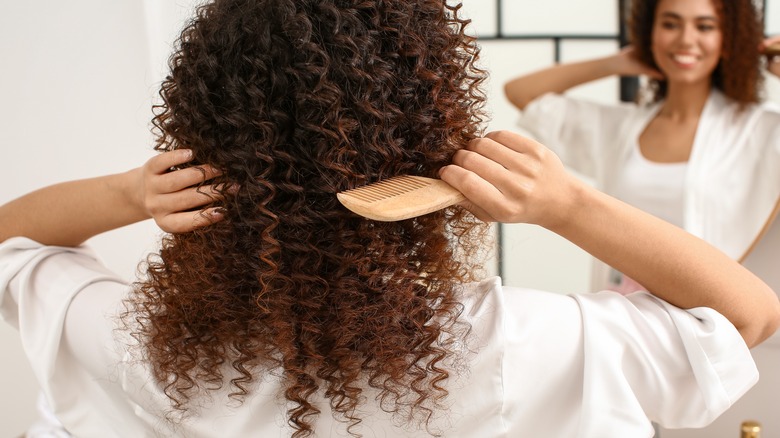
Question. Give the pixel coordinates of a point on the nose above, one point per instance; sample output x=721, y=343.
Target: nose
x=688, y=35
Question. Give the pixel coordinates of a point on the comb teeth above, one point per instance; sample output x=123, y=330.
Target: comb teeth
x=399, y=198
x=387, y=189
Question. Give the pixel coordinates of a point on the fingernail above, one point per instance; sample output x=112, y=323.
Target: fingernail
x=218, y=213
x=187, y=153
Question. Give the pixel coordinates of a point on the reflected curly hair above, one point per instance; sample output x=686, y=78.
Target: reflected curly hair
x=294, y=101
x=738, y=75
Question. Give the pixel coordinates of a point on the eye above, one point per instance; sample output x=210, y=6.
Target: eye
x=706, y=27
x=666, y=24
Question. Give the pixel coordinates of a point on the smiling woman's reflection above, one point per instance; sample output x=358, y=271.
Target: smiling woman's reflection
x=701, y=152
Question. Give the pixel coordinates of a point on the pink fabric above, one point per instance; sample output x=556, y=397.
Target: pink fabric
x=628, y=285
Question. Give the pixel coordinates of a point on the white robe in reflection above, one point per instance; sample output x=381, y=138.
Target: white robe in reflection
x=732, y=184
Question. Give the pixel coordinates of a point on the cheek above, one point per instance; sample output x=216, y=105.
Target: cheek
x=715, y=45
x=658, y=46
x=661, y=39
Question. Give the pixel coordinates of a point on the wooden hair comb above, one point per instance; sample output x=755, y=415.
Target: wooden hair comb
x=399, y=198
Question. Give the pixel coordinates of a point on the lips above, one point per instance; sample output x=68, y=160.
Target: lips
x=685, y=59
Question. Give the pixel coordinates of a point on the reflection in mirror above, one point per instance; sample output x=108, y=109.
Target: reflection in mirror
x=523, y=41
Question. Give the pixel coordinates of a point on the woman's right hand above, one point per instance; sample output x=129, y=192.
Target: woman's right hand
x=174, y=197
x=510, y=178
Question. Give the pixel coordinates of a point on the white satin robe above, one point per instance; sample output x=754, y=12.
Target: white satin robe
x=537, y=364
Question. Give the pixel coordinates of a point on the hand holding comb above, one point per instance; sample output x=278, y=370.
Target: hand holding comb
x=400, y=198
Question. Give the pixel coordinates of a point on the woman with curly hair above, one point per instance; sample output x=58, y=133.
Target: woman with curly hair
x=271, y=310
x=699, y=150
x=702, y=137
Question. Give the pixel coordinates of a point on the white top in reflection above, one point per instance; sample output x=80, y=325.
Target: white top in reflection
x=657, y=188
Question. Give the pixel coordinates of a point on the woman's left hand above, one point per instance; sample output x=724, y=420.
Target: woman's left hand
x=773, y=61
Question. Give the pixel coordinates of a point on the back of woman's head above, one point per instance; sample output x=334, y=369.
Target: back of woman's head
x=738, y=73
x=295, y=100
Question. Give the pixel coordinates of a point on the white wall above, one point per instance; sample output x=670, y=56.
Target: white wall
x=76, y=87
x=78, y=79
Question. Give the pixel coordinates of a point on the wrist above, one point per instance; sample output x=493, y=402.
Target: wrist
x=129, y=185
x=576, y=199
x=615, y=65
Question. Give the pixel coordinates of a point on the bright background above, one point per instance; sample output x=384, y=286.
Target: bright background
x=78, y=79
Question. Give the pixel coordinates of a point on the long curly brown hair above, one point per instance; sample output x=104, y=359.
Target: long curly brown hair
x=738, y=75
x=294, y=101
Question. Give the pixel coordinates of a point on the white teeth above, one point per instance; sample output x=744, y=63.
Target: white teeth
x=685, y=59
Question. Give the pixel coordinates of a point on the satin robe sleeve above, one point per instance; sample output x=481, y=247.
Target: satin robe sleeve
x=65, y=304
x=682, y=368
x=611, y=364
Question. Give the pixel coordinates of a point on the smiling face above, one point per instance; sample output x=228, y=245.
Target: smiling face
x=687, y=40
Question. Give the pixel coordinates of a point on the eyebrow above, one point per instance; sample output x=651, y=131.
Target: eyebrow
x=677, y=16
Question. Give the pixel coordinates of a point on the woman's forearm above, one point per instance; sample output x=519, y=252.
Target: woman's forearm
x=559, y=78
x=673, y=264
x=509, y=178
x=556, y=79
x=69, y=213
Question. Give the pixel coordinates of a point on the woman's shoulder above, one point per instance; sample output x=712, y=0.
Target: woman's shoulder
x=755, y=126
x=720, y=103
x=490, y=302
x=18, y=253
x=493, y=288
x=765, y=126
x=770, y=111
